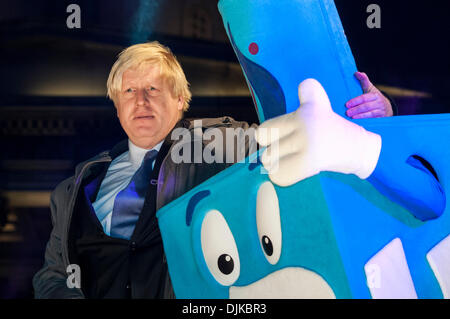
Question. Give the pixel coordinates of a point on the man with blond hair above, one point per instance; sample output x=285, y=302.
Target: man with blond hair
x=105, y=241
x=100, y=246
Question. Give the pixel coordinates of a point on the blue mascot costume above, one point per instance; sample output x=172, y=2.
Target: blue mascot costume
x=314, y=228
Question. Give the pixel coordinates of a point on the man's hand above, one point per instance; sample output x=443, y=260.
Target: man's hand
x=371, y=104
x=314, y=139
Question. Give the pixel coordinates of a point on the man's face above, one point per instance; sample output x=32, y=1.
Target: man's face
x=145, y=106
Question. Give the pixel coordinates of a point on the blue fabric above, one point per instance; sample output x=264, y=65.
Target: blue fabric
x=331, y=224
x=281, y=43
x=400, y=183
x=264, y=84
x=128, y=203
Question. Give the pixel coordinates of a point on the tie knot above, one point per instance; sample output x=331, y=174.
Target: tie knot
x=146, y=165
x=150, y=155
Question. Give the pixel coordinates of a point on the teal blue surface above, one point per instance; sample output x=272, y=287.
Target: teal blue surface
x=331, y=223
x=297, y=40
x=306, y=227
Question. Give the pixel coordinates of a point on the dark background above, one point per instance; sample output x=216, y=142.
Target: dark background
x=411, y=50
x=54, y=113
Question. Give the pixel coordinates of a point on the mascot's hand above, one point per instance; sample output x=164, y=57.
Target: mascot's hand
x=314, y=139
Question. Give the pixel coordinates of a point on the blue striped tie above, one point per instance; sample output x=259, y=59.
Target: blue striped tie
x=129, y=201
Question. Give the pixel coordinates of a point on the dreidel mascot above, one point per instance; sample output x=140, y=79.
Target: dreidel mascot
x=342, y=209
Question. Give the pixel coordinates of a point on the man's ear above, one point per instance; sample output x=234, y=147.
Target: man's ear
x=180, y=107
x=180, y=102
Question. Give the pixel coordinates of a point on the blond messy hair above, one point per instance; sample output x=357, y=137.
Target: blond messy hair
x=152, y=53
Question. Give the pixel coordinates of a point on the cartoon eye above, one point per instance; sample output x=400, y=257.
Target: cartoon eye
x=219, y=249
x=268, y=222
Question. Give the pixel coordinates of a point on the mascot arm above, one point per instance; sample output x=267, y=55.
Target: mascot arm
x=409, y=183
x=314, y=138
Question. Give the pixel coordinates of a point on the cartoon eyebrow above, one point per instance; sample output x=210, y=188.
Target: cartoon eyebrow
x=193, y=202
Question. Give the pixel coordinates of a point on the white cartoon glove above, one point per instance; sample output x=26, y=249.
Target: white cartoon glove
x=314, y=139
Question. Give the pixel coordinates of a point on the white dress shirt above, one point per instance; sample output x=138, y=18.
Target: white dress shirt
x=118, y=176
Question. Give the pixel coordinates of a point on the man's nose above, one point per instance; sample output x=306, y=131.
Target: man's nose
x=142, y=97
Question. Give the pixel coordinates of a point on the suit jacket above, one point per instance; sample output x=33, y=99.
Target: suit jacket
x=174, y=179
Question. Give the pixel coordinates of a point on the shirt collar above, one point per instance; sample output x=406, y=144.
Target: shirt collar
x=136, y=153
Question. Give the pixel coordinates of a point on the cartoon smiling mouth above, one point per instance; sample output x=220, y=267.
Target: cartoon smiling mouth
x=287, y=283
